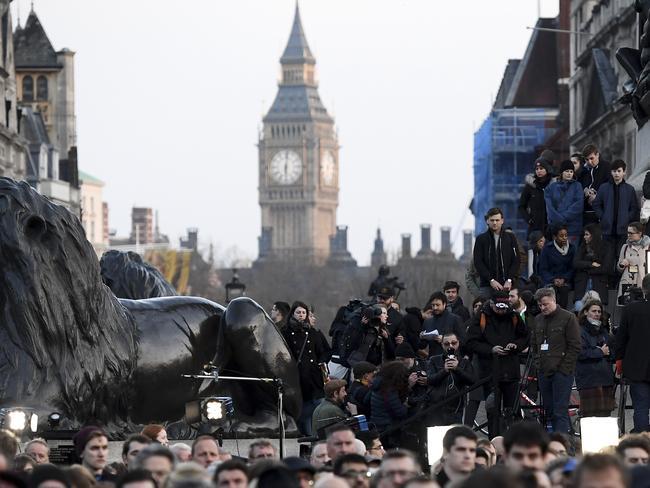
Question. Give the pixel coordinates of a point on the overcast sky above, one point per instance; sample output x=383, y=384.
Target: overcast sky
x=170, y=97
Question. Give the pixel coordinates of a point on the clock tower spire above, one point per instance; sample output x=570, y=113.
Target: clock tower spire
x=298, y=162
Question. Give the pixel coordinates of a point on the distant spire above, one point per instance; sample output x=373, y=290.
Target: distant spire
x=32, y=6
x=18, y=15
x=297, y=49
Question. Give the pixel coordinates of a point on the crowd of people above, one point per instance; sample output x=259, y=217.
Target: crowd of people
x=525, y=457
x=539, y=328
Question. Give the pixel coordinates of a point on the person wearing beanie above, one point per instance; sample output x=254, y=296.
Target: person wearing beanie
x=359, y=394
x=532, y=206
x=496, y=337
x=50, y=474
x=330, y=410
x=565, y=201
x=91, y=446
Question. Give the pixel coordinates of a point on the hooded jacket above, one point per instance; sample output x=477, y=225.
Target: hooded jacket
x=532, y=206
x=564, y=205
x=604, y=205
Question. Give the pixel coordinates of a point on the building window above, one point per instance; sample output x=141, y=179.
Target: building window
x=41, y=88
x=28, y=88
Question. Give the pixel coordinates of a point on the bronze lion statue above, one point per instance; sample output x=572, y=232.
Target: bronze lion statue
x=68, y=344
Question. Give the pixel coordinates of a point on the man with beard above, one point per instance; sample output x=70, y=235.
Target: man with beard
x=441, y=322
x=454, y=302
x=497, y=336
x=448, y=374
x=532, y=206
x=330, y=409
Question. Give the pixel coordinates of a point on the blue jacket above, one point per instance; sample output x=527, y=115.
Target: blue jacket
x=564, y=205
x=552, y=264
x=628, y=208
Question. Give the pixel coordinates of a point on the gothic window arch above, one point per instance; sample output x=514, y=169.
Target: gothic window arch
x=41, y=88
x=28, y=88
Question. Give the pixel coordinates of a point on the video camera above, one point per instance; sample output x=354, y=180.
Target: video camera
x=631, y=293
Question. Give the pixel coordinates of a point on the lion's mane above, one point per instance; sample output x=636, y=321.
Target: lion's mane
x=128, y=276
x=65, y=340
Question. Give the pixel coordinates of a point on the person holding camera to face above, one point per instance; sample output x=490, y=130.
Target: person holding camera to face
x=497, y=335
x=448, y=374
x=371, y=341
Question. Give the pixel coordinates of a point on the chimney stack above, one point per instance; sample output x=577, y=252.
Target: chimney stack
x=406, y=246
x=425, y=251
x=445, y=240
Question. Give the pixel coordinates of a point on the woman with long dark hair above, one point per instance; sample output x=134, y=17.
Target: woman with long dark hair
x=311, y=352
x=593, y=264
x=388, y=396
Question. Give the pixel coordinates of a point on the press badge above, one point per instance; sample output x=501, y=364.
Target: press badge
x=544, y=346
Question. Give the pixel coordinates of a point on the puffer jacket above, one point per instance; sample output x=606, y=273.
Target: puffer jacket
x=386, y=407
x=564, y=205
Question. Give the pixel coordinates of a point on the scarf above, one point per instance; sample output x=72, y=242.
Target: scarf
x=562, y=250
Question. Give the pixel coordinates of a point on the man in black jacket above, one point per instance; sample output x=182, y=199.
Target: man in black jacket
x=594, y=174
x=448, y=374
x=496, y=255
x=632, y=357
x=497, y=336
x=440, y=322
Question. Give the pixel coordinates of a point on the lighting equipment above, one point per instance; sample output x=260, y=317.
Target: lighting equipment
x=54, y=419
x=597, y=433
x=434, y=442
x=18, y=419
x=215, y=409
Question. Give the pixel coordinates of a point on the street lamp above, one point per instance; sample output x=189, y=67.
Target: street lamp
x=234, y=288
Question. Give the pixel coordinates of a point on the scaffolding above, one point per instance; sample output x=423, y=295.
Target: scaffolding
x=505, y=148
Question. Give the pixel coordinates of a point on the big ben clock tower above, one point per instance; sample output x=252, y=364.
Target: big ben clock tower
x=298, y=163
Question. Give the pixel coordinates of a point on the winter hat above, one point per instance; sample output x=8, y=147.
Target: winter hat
x=404, y=350
x=544, y=164
x=363, y=367
x=82, y=437
x=47, y=472
x=566, y=165
x=548, y=155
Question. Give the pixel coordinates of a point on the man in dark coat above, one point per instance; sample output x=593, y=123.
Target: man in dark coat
x=555, y=345
x=616, y=205
x=454, y=301
x=441, y=322
x=632, y=358
x=359, y=393
x=594, y=173
x=448, y=374
x=496, y=255
x=532, y=206
x=497, y=336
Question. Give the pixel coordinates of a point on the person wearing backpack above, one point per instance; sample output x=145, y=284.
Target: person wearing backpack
x=497, y=335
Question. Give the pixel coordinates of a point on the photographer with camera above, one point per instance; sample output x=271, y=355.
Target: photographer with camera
x=369, y=340
x=632, y=358
x=632, y=260
x=497, y=336
x=311, y=352
x=448, y=374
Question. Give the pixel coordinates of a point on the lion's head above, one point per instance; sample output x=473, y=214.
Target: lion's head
x=128, y=276
x=65, y=341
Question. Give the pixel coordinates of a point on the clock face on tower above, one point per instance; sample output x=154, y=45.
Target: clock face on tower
x=286, y=167
x=328, y=168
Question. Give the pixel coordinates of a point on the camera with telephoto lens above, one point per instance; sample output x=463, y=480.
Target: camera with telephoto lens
x=631, y=293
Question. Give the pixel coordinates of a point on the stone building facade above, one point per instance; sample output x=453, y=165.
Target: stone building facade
x=13, y=147
x=298, y=163
x=599, y=28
